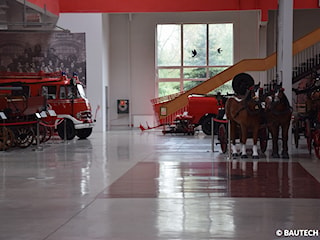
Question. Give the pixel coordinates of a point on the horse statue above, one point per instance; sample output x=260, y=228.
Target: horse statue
x=278, y=114
x=244, y=110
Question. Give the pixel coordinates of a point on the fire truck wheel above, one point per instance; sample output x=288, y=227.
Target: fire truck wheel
x=206, y=125
x=70, y=130
x=84, y=133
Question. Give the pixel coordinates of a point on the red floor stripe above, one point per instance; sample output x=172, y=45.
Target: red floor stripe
x=222, y=179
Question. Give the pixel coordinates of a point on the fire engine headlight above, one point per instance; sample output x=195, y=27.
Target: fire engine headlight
x=84, y=115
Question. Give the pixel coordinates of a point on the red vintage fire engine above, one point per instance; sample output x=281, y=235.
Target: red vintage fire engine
x=64, y=95
x=199, y=112
x=203, y=108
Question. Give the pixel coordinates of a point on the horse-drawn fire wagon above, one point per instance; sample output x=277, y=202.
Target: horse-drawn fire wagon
x=17, y=113
x=253, y=112
x=306, y=121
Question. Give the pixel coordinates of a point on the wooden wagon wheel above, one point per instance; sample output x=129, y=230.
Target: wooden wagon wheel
x=49, y=133
x=24, y=136
x=11, y=139
x=3, y=139
x=308, y=134
x=45, y=134
x=6, y=138
x=223, y=138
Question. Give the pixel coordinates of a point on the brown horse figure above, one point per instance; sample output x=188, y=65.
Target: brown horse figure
x=278, y=114
x=245, y=112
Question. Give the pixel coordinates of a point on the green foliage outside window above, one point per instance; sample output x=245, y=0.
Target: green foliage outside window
x=204, y=51
x=167, y=88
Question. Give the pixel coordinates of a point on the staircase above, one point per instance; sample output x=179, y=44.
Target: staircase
x=306, y=52
x=306, y=62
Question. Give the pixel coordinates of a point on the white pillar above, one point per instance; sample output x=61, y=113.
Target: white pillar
x=285, y=38
x=284, y=51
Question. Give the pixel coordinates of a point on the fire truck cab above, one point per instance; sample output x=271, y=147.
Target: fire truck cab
x=66, y=96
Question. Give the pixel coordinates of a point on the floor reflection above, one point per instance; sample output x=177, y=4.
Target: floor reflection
x=217, y=179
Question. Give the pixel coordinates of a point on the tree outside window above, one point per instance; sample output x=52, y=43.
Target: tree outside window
x=188, y=54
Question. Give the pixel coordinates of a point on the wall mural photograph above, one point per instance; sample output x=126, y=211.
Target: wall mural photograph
x=43, y=51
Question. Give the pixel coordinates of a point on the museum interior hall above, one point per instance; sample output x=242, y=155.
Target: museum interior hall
x=134, y=120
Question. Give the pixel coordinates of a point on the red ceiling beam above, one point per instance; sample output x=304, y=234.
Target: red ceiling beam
x=125, y=6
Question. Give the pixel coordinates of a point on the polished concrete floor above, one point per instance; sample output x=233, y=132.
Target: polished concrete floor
x=134, y=185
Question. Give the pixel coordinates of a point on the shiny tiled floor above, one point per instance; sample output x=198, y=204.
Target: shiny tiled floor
x=133, y=185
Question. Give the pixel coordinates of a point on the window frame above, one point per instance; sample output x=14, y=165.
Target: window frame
x=182, y=67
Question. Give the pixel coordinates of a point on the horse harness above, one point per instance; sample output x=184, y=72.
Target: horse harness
x=257, y=108
x=274, y=111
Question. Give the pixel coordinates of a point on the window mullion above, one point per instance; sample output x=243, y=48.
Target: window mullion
x=207, y=48
x=182, y=55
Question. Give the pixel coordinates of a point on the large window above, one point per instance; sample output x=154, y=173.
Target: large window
x=188, y=54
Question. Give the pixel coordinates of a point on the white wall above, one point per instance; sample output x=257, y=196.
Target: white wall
x=132, y=54
x=304, y=22
x=96, y=50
